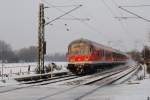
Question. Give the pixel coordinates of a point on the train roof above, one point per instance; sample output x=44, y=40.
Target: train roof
x=97, y=45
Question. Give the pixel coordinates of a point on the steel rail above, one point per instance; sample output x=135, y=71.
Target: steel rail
x=71, y=89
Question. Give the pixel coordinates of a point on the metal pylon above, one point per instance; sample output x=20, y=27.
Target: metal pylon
x=41, y=39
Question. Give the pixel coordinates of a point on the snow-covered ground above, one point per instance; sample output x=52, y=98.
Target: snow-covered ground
x=11, y=70
x=136, y=88
x=16, y=68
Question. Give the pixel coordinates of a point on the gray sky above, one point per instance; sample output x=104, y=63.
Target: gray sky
x=18, y=23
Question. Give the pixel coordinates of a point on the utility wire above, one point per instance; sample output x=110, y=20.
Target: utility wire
x=111, y=11
x=83, y=22
x=62, y=10
x=137, y=6
x=125, y=17
x=121, y=22
x=63, y=15
x=56, y=7
x=134, y=14
x=64, y=6
x=78, y=19
x=113, y=1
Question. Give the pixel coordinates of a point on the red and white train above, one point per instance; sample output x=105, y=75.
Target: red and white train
x=85, y=56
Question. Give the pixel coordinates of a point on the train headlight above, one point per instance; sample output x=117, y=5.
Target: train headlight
x=79, y=59
x=86, y=58
x=72, y=60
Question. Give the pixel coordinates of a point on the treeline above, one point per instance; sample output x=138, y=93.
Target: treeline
x=8, y=55
x=143, y=56
x=56, y=57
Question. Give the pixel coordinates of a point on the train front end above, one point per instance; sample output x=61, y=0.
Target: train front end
x=79, y=57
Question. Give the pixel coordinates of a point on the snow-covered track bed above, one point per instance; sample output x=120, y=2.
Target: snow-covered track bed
x=95, y=82
x=111, y=77
x=40, y=76
x=69, y=75
x=98, y=83
x=57, y=90
x=29, y=84
x=92, y=78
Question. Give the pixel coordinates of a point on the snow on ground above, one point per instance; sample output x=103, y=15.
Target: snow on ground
x=11, y=70
x=8, y=82
x=14, y=68
x=23, y=67
x=136, y=88
x=137, y=91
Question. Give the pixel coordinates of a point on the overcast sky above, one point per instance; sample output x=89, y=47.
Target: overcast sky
x=19, y=21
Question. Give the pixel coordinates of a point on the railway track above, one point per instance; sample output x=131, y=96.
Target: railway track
x=105, y=81
x=29, y=84
x=97, y=80
x=48, y=79
x=68, y=78
x=112, y=77
x=82, y=80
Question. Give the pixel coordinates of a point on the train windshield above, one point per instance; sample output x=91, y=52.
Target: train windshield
x=79, y=49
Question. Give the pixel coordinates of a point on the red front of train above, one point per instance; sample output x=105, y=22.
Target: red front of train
x=85, y=56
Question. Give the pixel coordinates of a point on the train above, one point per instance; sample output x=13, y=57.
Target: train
x=85, y=56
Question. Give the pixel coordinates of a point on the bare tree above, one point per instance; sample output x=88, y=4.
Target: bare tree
x=6, y=52
x=28, y=54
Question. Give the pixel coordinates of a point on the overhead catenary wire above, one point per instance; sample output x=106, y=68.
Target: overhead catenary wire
x=54, y=6
x=81, y=19
x=122, y=17
x=73, y=17
x=111, y=11
x=134, y=14
x=83, y=22
x=115, y=16
x=137, y=6
x=63, y=14
x=126, y=17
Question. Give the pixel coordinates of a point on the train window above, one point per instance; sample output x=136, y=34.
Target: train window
x=85, y=51
x=79, y=49
x=91, y=50
x=108, y=54
x=82, y=51
x=98, y=53
x=102, y=53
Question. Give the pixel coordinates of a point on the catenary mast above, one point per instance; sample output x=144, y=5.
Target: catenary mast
x=41, y=39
